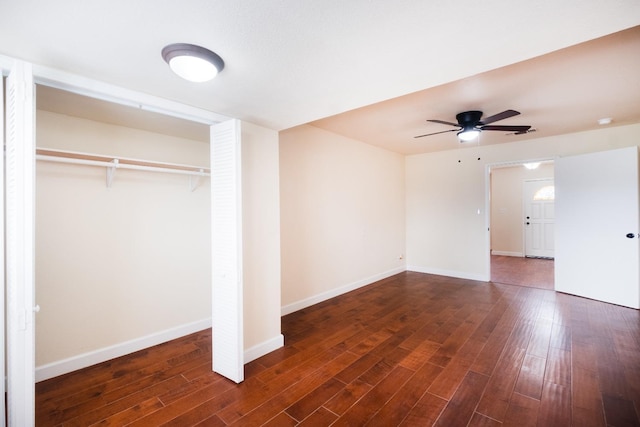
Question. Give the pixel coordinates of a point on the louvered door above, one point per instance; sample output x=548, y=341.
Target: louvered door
x=226, y=250
x=19, y=217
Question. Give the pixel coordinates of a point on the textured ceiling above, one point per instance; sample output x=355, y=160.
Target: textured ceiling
x=290, y=63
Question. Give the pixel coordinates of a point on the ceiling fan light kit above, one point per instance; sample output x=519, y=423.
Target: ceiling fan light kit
x=468, y=134
x=191, y=62
x=469, y=125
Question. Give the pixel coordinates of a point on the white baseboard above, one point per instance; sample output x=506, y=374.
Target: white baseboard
x=263, y=348
x=507, y=253
x=307, y=302
x=80, y=361
x=449, y=273
x=74, y=363
x=84, y=360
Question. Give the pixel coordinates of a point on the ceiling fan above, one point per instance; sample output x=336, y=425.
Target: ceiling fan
x=469, y=124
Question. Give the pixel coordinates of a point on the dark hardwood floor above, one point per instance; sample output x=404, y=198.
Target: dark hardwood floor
x=410, y=350
x=532, y=272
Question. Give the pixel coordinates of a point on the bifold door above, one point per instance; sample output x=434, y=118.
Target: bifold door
x=19, y=224
x=226, y=250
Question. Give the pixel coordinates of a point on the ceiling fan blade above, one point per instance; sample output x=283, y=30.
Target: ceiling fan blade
x=442, y=122
x=506, y=128
x=500, y=116
x=429, y=134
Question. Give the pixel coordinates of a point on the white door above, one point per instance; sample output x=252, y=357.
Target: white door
x=226, y=250
x=19, y=223
x=3, y=409
x=539, y=218
x=597, y=226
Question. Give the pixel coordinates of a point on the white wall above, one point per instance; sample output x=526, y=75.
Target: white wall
x=446, y=190
x=120, y=267
x=121, y=263
x=261, y=240
x=342, y=215
x=507, y=210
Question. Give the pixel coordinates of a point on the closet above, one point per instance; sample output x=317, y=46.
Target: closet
x=115, y=239
x=123, y=229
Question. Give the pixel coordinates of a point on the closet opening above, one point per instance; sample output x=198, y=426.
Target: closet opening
x=122, y=254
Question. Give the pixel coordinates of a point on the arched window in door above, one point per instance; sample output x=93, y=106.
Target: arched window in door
x=545, y=193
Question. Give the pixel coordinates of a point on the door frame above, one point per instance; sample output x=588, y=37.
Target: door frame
x=487, y=202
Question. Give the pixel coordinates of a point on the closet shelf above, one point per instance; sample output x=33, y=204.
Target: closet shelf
x=112, y=163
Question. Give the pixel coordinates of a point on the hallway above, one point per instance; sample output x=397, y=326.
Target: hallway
x=531, y=272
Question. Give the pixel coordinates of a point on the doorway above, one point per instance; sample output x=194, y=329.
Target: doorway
x=521, y=256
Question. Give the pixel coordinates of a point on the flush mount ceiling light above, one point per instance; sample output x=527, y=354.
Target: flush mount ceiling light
x=531, y=165
x=191, y=62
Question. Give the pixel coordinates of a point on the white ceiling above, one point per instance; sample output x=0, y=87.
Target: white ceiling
x=290, y=63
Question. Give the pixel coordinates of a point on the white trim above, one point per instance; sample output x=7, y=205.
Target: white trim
x=19, y=244
x=80, y=361
x=263, y=348
x=3, y=382
x=118, y=95
x=507, y=253
x=307, y=302
x=6, y=62
x=449, y=273
x=512, y=163
x=487, y=220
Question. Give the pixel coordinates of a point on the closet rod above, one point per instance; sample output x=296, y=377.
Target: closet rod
x=60, y=156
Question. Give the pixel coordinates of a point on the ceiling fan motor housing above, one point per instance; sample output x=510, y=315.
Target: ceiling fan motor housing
x=468, y=118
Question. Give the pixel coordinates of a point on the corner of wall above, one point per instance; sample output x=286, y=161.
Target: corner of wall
x=263, y=348
x=315, y=299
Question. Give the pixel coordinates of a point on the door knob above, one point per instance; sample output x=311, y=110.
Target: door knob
x=630, y=235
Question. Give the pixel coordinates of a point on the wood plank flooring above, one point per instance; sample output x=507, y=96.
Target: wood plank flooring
x=532, y=272
x=410, y=350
